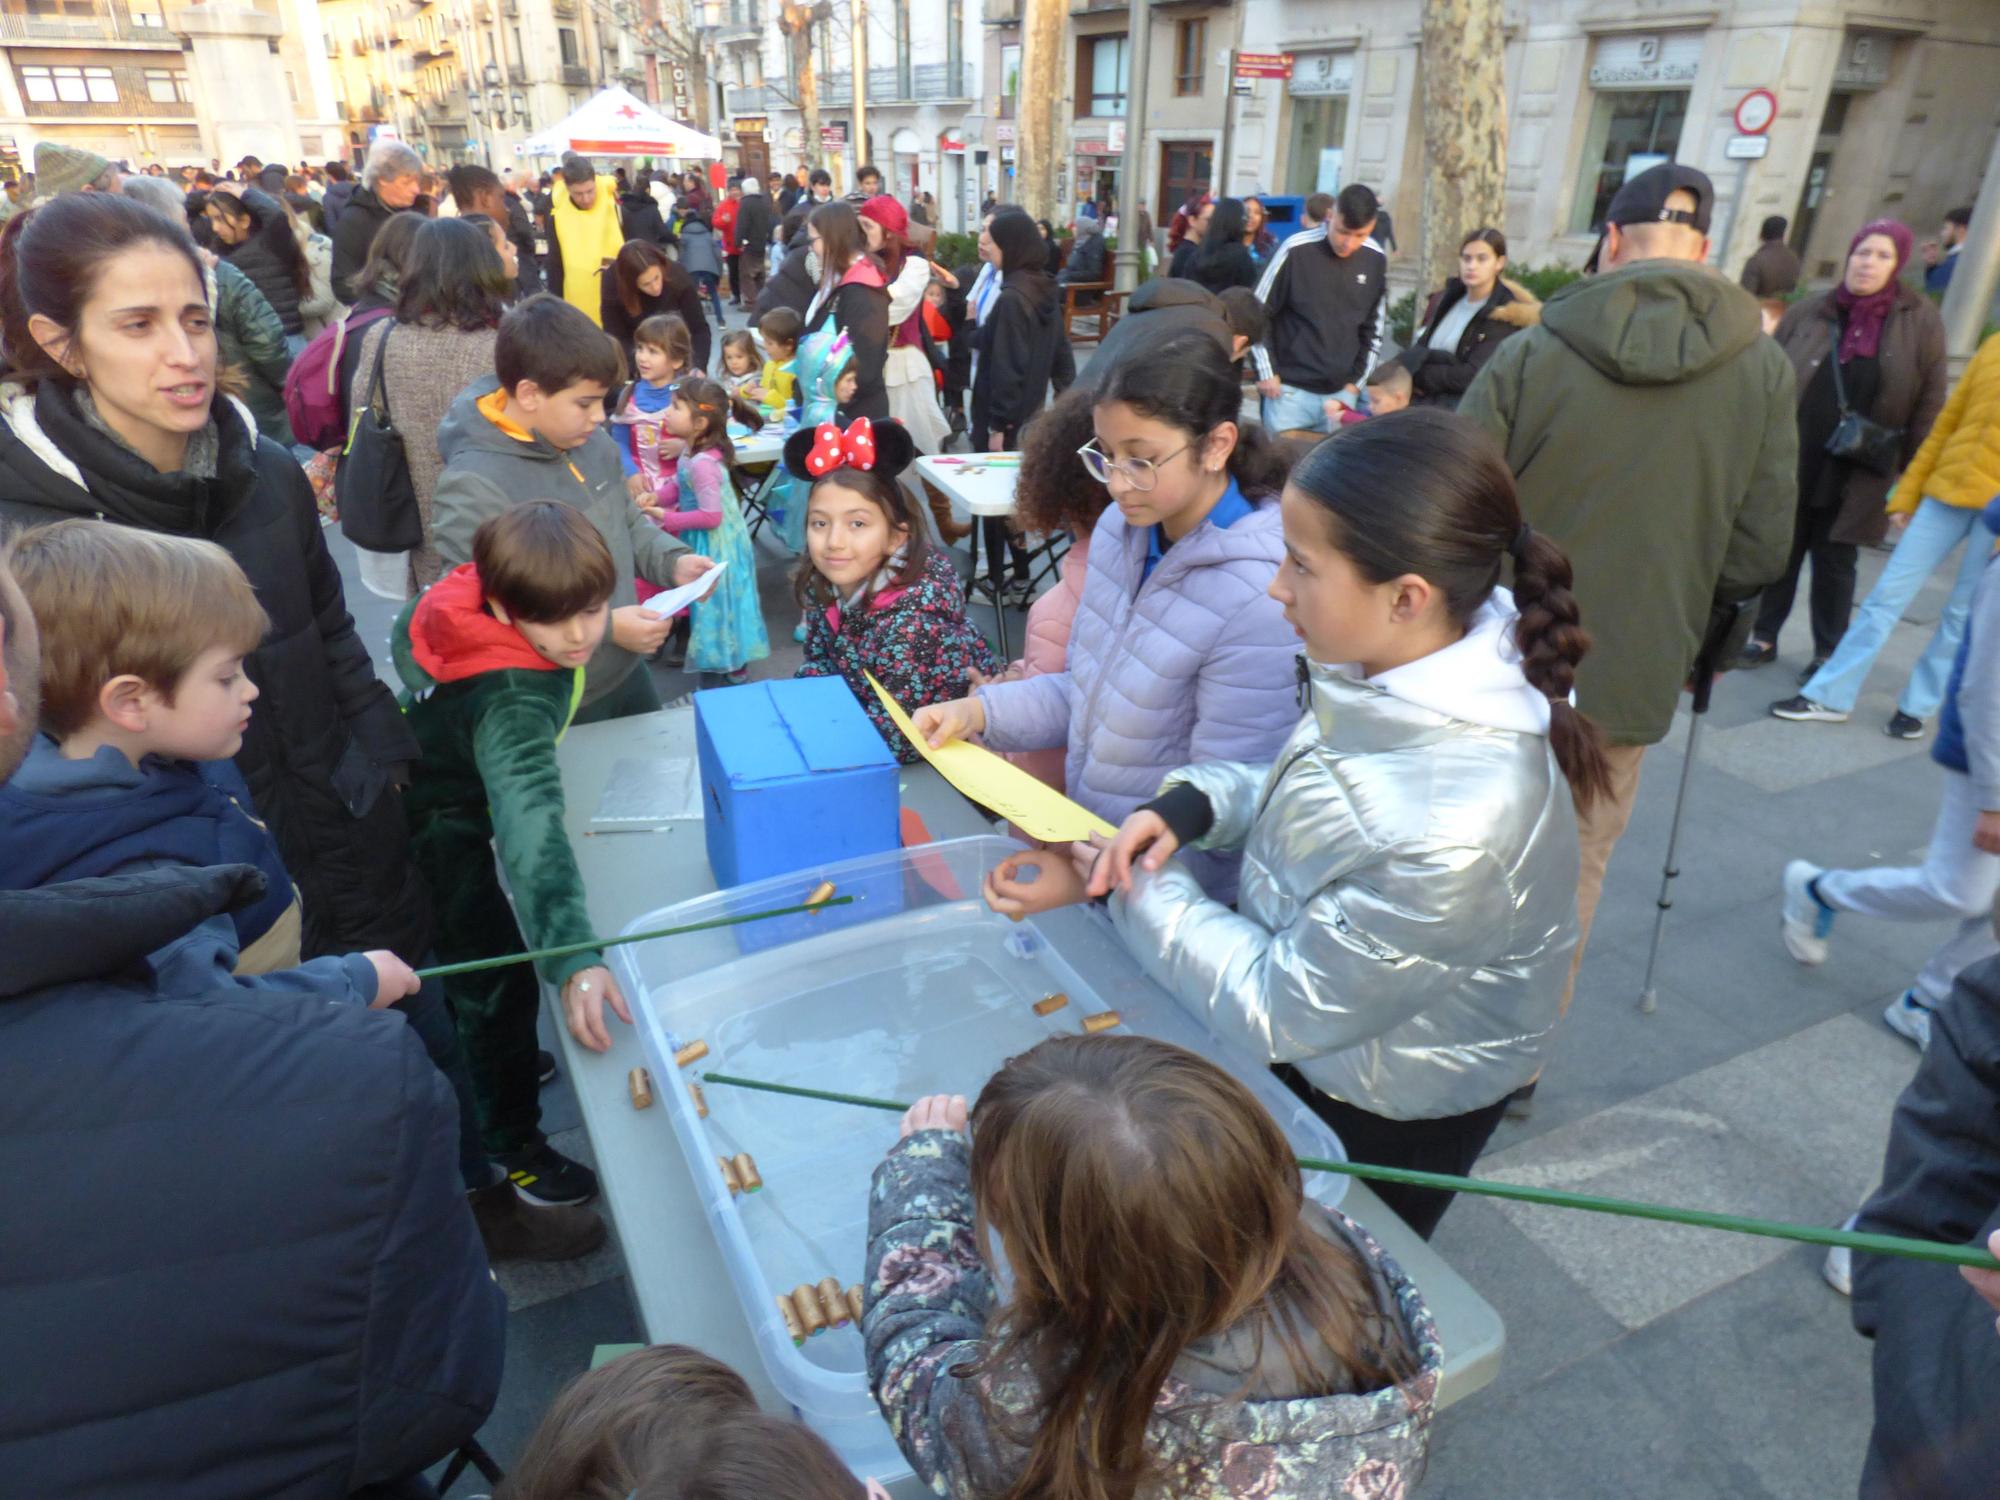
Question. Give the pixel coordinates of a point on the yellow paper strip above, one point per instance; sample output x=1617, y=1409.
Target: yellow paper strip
x=1000, y=786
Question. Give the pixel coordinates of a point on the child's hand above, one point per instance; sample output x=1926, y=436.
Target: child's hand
x=753, y=393
x=1144, y=842
x=639, y=630
x=941, y=723
x=935, y=1112
x=637, y=488
x=583, y=1000
x=394, y=979
x=1986, y=832
x=1334, y=409
x=1031, y=883
x=689, y=568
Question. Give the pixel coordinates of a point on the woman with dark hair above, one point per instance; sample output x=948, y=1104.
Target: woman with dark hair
x=113, y=413
x=1257, y=236
x=255, y=233
x=1466, y=322
x=853, y=297
x=795, y=280
x=454, y=288
x=1402, y=935
x=643, y=283
x=1885, y=345
x=1224, y=261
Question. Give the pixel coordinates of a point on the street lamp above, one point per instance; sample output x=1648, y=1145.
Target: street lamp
x=499, y=103
x=492, y=74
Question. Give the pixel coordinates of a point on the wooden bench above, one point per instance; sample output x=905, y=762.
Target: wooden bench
x=1089, y=324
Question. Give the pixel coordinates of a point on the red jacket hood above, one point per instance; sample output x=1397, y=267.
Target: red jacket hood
x=452, y=637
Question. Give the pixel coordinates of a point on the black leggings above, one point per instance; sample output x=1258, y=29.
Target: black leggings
x=1832, y=582
x=999, y=542
x=1451, y=1145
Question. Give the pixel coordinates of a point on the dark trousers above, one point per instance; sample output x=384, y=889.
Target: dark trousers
x=429, y=1015
x=707, y=281
x=734, y=262
x=1832, y=600
x=1451, y=1145
x=750, y=269
x=1000, y=542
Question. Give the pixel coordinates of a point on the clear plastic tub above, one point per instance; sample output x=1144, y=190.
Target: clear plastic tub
x=917, y=988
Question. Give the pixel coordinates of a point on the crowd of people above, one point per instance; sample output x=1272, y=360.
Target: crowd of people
x=1366, y=686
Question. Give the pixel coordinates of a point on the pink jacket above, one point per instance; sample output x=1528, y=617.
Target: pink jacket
x=1047, y=649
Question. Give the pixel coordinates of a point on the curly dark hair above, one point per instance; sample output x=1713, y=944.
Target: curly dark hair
x=1054, y=492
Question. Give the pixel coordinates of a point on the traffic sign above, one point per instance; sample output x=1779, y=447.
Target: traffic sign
x=1755, y=111
x=1263, y=65
x=1747, y=147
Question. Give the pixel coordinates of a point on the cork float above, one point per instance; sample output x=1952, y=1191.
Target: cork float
x=640, y=1085
x=1104, y=1020
x=790, y=1314
x=700, y=1101
x=805, y=1301
x=1048, y=1005
x=693, y=1052
x=821, y=893
x=746, y=1172
x=832, y=1302
x=729, y=1178
x=854, y=1304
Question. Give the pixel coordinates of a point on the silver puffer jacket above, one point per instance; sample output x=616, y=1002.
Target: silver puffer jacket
x=1408, y=903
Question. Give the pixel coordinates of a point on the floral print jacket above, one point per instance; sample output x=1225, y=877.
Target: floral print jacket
x=928, y=1298
x=916, y=640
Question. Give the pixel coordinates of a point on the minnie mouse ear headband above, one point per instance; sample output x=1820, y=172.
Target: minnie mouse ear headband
x=884, y=448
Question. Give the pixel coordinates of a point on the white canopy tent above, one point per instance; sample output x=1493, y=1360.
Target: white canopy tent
x=618, y=123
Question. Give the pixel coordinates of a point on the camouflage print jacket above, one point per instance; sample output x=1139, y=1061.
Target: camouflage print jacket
x=928, y=1299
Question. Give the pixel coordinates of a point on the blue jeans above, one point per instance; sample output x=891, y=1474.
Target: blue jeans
x=1295, y=410
x=1934, y=531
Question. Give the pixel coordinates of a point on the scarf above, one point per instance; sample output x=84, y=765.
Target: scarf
x=1862, y=317
x=884, y=579
x=203, y=450
x=216, y=478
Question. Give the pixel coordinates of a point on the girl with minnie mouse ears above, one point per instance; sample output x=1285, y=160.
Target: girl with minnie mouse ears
x=878, y=598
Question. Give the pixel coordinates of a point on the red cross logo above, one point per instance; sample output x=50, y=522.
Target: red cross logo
x=626, y=112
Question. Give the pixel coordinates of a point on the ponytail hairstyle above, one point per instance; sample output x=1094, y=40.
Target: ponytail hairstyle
x=1423, y=491
x=51, y=260
x=1145, y=1200
x=713, y=405
x=1187, y=382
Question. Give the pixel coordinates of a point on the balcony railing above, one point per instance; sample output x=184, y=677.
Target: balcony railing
x=575, y=75
x=118, y=27
x=929, y=83
x=747, y=101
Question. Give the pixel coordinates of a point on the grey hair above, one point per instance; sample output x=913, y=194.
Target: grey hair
x=159, y=194
x=388, y=161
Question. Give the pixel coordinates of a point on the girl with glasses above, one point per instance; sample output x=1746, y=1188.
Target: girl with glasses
x=1178, y=653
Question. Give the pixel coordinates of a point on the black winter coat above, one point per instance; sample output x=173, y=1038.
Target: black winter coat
x=353, y=233
x=336, y=200
x=679, y=294
x=639, y=218
x=271, y=276
x=1021, y=346
x=754, y=222
x=1225, y=267
x=791, y=286
x=521, y=230
x=1441, y=376
x=1937, y=1360
x=326, y=740
x=261, y=1276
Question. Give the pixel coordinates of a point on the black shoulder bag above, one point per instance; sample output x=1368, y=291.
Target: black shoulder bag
x=378, y=499
x=1856, y=440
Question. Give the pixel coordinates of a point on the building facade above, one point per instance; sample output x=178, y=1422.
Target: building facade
x=143, y=81
x=925, y=124
x=1880, y=110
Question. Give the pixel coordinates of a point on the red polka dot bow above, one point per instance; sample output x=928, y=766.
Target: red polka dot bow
x=833, y=449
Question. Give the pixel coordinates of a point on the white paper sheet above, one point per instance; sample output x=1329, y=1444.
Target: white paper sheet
x=675, y=600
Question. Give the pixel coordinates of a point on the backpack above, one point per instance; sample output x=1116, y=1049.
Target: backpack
x=314, y=401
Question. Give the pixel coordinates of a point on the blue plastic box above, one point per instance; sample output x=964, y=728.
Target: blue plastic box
x=793, y=775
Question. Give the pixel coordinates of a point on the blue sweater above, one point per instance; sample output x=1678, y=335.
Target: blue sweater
x=64, y=820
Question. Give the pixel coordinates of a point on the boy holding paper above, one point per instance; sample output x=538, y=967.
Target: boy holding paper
x=496, y=657
x=536, y=433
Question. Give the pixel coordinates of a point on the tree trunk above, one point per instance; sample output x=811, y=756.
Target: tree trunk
x=797, y=25
x=1042, y=24
x=1465, y=132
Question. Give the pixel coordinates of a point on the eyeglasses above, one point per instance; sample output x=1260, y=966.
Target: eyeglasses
x=1140, y=473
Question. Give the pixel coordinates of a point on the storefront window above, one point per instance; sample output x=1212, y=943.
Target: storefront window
x=1630, y=130
x=1319, y=129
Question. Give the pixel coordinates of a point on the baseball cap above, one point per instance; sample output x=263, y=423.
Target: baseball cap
x=1643, y=200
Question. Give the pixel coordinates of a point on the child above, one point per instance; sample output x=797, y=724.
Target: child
x=663, y=350
x=534, y=434
x=877, y=598
x=821, y=364
x=1961, y=868
x=494, y=657
x=144, y=702
x=739, y=364
x=1138, y=1349
x=670, y=1420
x=778, y=385
x=1408, y=904
x=1389, y=389
x=698, y=501
x=1178, y=652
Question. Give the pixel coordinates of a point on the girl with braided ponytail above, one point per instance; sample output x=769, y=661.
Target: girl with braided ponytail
x=1408, y=900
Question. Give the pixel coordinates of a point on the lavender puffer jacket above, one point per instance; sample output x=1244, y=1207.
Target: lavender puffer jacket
x=1195, y=664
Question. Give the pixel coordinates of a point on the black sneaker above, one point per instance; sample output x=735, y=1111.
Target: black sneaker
x=541, y=1174
x=1755, y=654
x=545, y=1068
x=1812, y=670
x=1804, y=711
x=1904, y=727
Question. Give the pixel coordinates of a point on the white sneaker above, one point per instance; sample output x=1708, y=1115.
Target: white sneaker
x=1838, y=1267
x=1804, y=921
x=1908, y=1016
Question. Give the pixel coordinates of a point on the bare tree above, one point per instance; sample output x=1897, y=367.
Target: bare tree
x=1042, y=25
x=796, y=21
x=1465, y=130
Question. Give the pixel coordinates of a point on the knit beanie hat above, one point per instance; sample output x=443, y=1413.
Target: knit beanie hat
x=887, y=212
x=65, y=169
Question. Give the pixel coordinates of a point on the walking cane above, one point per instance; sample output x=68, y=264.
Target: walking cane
x=1728, y=627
